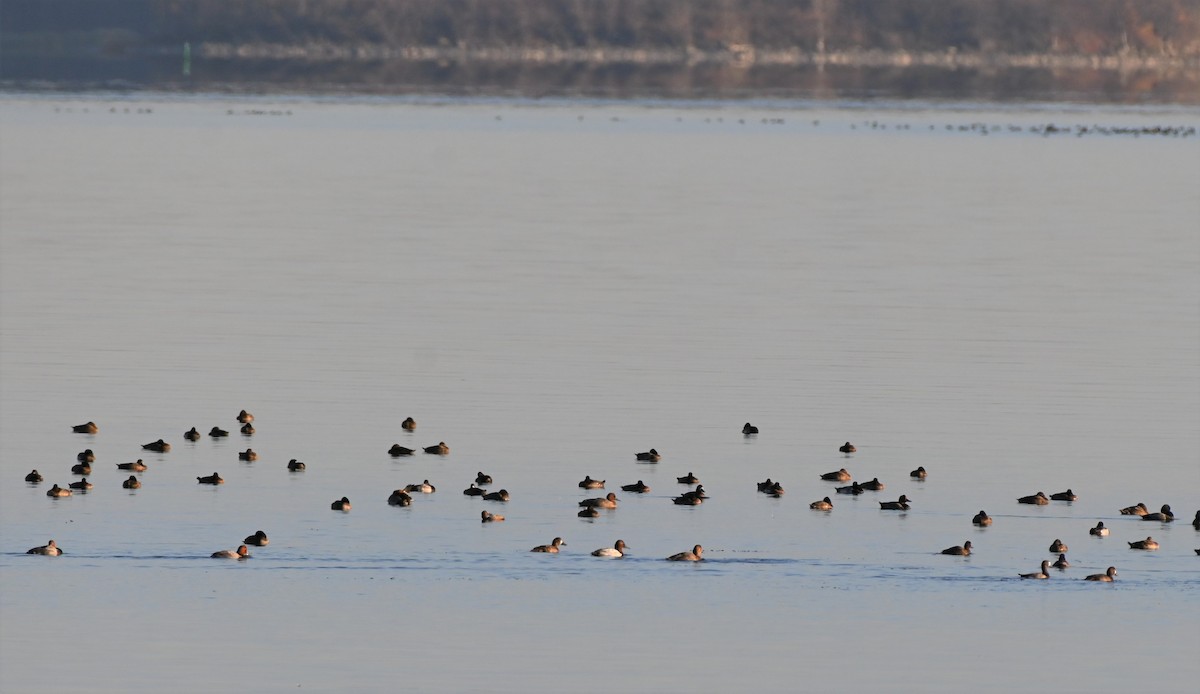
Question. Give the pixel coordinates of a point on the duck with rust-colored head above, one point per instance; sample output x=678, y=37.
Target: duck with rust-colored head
x=241, y=552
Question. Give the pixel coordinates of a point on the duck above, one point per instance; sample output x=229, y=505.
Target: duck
x=749, y=429
x=847, y=448
x=397, y=450
x=247, y=429
x=50, y=549
x=86, y=456
x=900, y=504
x=210, y=479
x=776, y=490
x=854, y=489
x=688, y=479
x=89, y=428
x=295, y=465
x=1043, y=573
x=697, y=493
x=248, y=455
x=81, y=469
x=490, y=517
x=342, y=504
x=424, y=487
x=982, y=518
x=35, y=477
x=589, y=483
x=551, y=548
x=1099, y=530
x=963, y=551
x=608, y=501
x=1165, y=515
x=764, y=485
x=440, y=449
x=132, y=483
x=617, y=550
x=588, y=512
x=687, y=500
x=639, y=488
x=245, y=417
x=1139, y=510
x=136, y=466
x=1057, y=546
x=1039, y=499
x=694, y=555
x=873, y=486
x=191, y=434
x=409, y=424
x=242, y=552
x=837, y=476
x=1148, y=543
x=1195, y=521
x=481, y=478
x=919, y=473
x=822, y=505
x=650, y=456
x=258, y=539
x=399, y=497
x=1062, y=563
x=82, y=485
x=57, y=491
x=158, y=446
x=218, y=432
x=1106, y=577
x=474, y=491
x=501, y=495
x=1064, y=496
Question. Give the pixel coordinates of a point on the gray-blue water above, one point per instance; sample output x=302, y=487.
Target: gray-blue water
x=551, y=289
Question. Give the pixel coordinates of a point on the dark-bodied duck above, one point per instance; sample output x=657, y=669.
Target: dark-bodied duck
x=1043, y=573
x=1062, y=563
x=873, y=486
x=854, y=489
x=34, y=477
x=1057, y=546
x=440, y=449
x=248, y=455
x=919, y=473
x=688, y=500
x=397, y=450
x=247, y=429
x=57, y=491
x=210, y=479
x=608, y=501
x=589, y=483
x=776, y=490
x=1106, y=577
x=847, y=448
x=588, y=512
x=424, y=488
x=81, y=486
x=342, y=504
x=1064, y=496
x=837, y=476
x=1139, y=510
x=86, y=456
x=982, y=519
x=822, y=505
x=1148, y=543
x=132, y=483
x=136, y=466
x=481, y=478
x=295, y=465
x=245, y=417
x=551, y=548
x=501, y=495
x=749, y=429
x=1038, y=499
x=639, y=488
x=49, y=549
x=409, y=424
x=963, y=550
x=81, y=469
x=218, y=432
x=688, y=479
x=191, y=434
x=89, y=428
x=158, y=446
x=241, y=552
x=258, y=539
x=694, y=555
x=900, y=504
x=1164, y=514
x=616, y=551
x=474, y=491
x=1099, y=530
x=399, y=497
x=650, y=456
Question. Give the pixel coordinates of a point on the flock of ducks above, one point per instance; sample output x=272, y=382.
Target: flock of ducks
x=590, y=507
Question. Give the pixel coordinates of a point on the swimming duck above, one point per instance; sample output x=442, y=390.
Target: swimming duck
x=1038, y=499
x=1044, y=573
x=81, y=469
x=82, y=485
x=397, y=450
x=424, y=487
x=873, y=486
x=589, y=483
x=962, y=551
x=191, y=434
x=552, y=548
x=694, y=555
x=749, y=429
x=617, y=550
x=86, y=456
x=158, y=446
x=210, y=479
x=35, y=477
x=481, y=478
x=588, y=512
x=1139, y=510
x=854, y=489
x=136, y=466
x=247, y=429
x=132, y=483
x=400, y=497
x=982, y=518
x=1057, y=546
x=218, y=432
x=838, y=476
x=258, y=539
x=89, y=428
x=49, y=549
x=248, y=455
x=687, y=500
x=489, y=517
x=1099, y=530
x=822, y=505
x=295, y=465
x=57, y=491
x=342, y=504
x=245, y=417
x=639, y=488
x=440, y=449
x=919, y=473
x=474, y=491
x=776, y=490
x=501, y=495
x=1106, y=577
x=409, y=424
x=608, y=501
x=1064, y=496
x=688, y=479
x=1148, y=543
x=1062, y=562
x=1165, y=515
x=765, y=485
x=241, y=552
x=650, y=456
x=900, y=504
x=847, y=448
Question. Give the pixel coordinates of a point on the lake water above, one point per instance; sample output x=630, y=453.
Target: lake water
x=549, y=289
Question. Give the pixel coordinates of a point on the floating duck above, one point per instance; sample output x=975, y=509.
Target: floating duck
x=551, y=548
x=1057, y=546
x=295, y=465
x=650, y=456
x=247, y=429
x=399, y=497
x=982, y=518
x=963, y=551
x=1165, y=515
x=136, y=466
x=900, y=504
x=210, y=479
x=919, y=473
x=82, y=485
x=1099, y=530
x=873, y=486
x=242, y=552
x=837, y=476
x=245, y=417
x=409, y=424
x=688, y=479
x=158, y=446
x=749, y=429
x=847, y=448
x=191, y=434
x=694, y=555
x=639, y=488
x=248, y=455
x=57, y=491
x=218, y=432
x=490, y=517
x=1106, y=577
x=1043, y=573
x=822, y=505
x=1148, y=543
x=854, y=489
x=132, y=483
x=616, y=551
x=397, y=450
x=589, y=483
x=1139, y=510
x=1038, y=499
x=608, y=501
x=342, y=504
x=481, y=478
x=1062, y=563
x=474, y=491
x=258, y=539
x=1064, y=496
x=34, y=477
x=440, y=449
x=424, y=487
x=501, y=495
x=89, y=428
x=86, y=456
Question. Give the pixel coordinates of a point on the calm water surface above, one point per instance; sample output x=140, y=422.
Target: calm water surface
x=549, y=290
